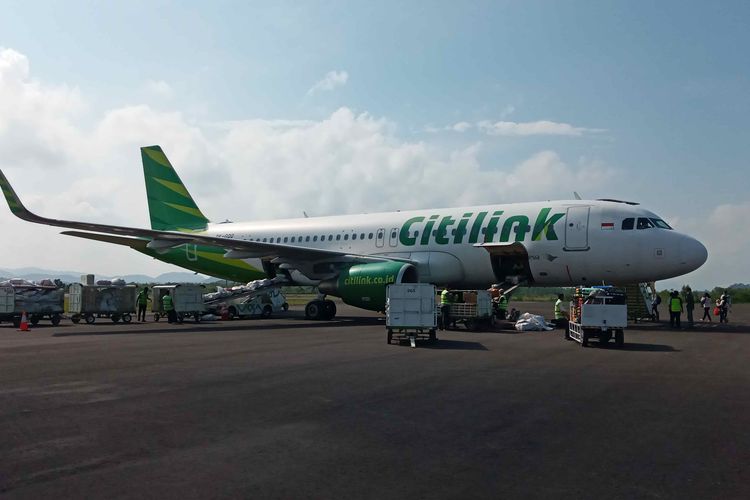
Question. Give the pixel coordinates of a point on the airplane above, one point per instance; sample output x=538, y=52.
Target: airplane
x=355, y=257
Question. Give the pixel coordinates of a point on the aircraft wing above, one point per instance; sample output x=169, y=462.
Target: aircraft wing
x=164, y=240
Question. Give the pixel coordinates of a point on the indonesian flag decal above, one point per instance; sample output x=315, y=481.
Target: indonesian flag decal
x=608, y=226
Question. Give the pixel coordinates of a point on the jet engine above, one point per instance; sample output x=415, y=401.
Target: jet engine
x=363, y=285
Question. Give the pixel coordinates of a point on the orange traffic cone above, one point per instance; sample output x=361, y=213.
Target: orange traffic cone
x=24, y=322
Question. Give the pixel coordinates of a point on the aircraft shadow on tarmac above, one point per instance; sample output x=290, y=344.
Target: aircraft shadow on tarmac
x=634, y=346
x=457, y=345
x=223, y=326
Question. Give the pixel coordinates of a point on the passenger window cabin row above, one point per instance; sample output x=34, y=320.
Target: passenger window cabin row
x=315, y=238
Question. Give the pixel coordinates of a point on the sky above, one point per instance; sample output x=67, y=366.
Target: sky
x=269, y=109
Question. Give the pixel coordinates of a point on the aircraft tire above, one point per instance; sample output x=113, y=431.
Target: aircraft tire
x=619, y=338
x=329, y=307
x=313, y=309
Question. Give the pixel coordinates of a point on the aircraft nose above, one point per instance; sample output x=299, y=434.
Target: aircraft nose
x=694, y=254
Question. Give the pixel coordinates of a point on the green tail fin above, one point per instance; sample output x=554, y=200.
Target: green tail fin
x=170, y=205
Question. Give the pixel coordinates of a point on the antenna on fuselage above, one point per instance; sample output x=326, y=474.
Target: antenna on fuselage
x=305, y=214
x=577, y=196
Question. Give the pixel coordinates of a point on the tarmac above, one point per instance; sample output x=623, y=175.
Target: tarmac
x=288, y=408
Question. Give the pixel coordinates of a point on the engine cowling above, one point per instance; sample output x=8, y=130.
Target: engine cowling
x=363, y=285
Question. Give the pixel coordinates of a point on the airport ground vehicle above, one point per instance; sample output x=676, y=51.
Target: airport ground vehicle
x=261, y=304
x=37, y=301
x=411, y=312
x=89, y=302
x=598, y=312
x=472, y=308
x=187, y=300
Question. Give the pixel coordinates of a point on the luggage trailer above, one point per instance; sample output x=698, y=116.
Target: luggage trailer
x=598, y=312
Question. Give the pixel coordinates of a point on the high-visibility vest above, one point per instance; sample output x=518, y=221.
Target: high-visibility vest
x=167, y=302
x=675, y=304
x=445, y=297
x=143, y=298
x=558, y=309
x=502, y=303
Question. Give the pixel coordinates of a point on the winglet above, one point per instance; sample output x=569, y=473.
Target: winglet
x=14, y=202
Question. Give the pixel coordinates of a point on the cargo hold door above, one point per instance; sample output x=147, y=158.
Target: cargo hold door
x=577, y=229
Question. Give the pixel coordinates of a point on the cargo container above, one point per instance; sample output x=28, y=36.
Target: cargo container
x=410, y=312
x=187, y=300
x=37, y=301
x=89, y=302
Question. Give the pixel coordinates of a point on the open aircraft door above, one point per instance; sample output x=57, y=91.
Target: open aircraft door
x=510, y=262
x=577, y=229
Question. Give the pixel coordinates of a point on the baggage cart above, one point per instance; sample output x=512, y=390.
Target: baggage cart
x=187, y=300
x=472, y=308
x=410, y=312
x=598, y=312
x=37, y=301
x=89, y=302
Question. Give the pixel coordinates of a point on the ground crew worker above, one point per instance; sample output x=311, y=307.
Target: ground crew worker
x=502, y=305
x=689, y=305
x=142, y=301
x=445, y=308
x=561, y=317
x=675, y=309
x=168, y=305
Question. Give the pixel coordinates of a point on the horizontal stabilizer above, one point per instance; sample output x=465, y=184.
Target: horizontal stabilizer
x=134, y=243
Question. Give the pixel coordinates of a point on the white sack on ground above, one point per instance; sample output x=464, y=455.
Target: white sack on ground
x=532, y=322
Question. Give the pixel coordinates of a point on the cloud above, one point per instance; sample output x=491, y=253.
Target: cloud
x=542, y=127
x=720, y=229
x=160, y=88
x=456, y=127
x=332, y=80
x=516, y=129
x=347, y=162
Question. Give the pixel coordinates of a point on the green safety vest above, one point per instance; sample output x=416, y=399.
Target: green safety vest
x=502, y=302
x=142, y=298
x=445, y=297
x=167, y=302
x=675, y=304
x=558, y=310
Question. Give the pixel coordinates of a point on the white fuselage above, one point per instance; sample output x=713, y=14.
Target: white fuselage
x=566, y=242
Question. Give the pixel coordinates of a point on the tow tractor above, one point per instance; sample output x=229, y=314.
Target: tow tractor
x=599, y=312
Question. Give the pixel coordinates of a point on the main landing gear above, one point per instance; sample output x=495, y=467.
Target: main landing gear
x=320, y=309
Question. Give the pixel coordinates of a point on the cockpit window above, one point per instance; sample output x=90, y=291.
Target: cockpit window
x=627, y=224
x=661, y=224
x=644, y=223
